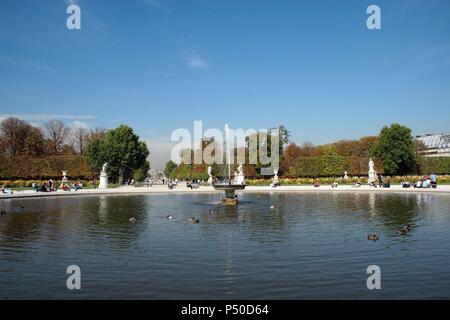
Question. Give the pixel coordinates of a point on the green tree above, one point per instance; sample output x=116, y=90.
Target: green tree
x=397, y=150
x=139, y=175
x=283, y=140
x=122, y=150
x=170, y=168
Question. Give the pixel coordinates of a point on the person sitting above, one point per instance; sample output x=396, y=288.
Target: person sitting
x=44, y=187
x=433, y=181
x=316, y=184
x=380, y=181
x=5, y=190
x=418, y=184
x=334, y=184
x=406, y=184
x=75, y=187
x=357, y=184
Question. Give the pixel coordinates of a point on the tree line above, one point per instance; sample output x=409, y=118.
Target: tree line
x=36, y=152
x=394, y=150
x=20, y=138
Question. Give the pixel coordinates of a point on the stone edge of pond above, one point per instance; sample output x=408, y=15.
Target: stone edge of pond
x=445, y=189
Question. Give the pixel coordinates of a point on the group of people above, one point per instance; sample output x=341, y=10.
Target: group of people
x=171, y=184
x=3, y=189
x=192, y=184
x=129, y=182
x=382, y=182
x=425, y=182
x=50, y=186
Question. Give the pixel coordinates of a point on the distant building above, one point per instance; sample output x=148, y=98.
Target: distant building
x=436, y=145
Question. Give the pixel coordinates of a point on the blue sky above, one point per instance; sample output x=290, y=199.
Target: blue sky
x=158, y=65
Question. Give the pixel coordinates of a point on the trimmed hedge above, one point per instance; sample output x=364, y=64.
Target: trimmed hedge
x=16, y=168
x=437, y=165
x=445, y=179
x=331, y=165
x=29, y=183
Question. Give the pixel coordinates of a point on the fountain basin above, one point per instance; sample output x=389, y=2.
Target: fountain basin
x=229, y=189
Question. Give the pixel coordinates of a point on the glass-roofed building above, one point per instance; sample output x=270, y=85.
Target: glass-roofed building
x=436, y=145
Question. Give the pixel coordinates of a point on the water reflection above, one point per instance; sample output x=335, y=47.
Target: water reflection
x=272, y=245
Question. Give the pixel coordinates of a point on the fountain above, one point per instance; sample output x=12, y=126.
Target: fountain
x=230, y=186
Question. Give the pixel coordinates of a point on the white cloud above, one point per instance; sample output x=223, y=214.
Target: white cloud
x=194, y=58
x=46, y=117
x=79, y=124
x=70, y=2
x=24, y=64
x=158, y=4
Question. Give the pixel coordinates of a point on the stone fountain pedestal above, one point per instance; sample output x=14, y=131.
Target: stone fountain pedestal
x=229, y=189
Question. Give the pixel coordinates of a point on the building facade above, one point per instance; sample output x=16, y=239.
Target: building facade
x=435, y=145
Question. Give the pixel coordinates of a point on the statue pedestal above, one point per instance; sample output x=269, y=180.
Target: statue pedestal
x=240, y=179
x=372, y=177
x=103, y=182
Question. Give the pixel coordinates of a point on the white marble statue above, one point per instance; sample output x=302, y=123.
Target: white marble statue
x=103, y=177
x=104, y=168
x=240, y=178
x=345, y=175
x=64, y=178
x=210, y=178
x=275, y=177
x=372, y=172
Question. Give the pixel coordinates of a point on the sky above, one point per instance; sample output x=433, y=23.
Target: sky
x=159, y=65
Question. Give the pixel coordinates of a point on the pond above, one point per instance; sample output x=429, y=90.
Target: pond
x=271, y=246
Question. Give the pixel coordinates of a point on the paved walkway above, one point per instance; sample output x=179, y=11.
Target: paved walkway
x=183, y=189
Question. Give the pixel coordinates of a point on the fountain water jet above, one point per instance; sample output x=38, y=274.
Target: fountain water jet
x=229, y=187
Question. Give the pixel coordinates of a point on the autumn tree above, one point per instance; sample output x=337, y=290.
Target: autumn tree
x=14, y=134
x=57, y=133
x=80, y=137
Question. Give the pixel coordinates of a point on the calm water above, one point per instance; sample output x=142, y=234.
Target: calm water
x=308, y=246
